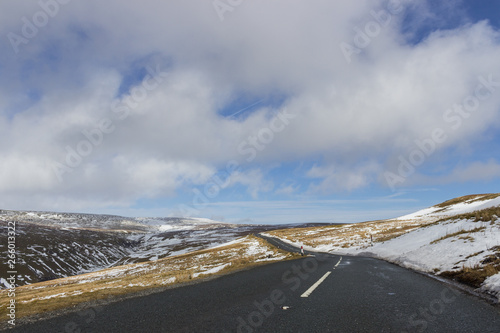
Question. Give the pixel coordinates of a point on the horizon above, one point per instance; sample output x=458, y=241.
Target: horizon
x=248, y=112
x=242, y=223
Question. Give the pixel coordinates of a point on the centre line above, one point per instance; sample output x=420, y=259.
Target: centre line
x=314, y=286
x=338, y=263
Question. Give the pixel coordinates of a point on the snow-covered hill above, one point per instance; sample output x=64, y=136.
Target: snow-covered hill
x=54, y=245
x=458, y=239
x=457, y=206
x=464, y=243
x=109, y=222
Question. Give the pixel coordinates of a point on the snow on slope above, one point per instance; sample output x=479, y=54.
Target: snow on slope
x=441, y=247
x=109, y=222
x=449, y=245
x=53, y=245
x=466, y=206
x=233, y=255
x=439, y=239
x=46, y=253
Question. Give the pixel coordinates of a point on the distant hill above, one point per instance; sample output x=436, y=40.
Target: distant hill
x=52, y=245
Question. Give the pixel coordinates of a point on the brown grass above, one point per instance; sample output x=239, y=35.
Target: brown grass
x=472, y=276
x=475, y=276
x=471, y=198
x=491, y=214
x=389, y=234
x=461, y=232
x=347, y=235
x=128, y=279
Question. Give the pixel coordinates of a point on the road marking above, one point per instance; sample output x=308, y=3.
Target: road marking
x=337, y=263
x=314, y=286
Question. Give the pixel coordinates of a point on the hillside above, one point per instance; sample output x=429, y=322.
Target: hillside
x=57, y=245
x=457, y=239
x=123, y=281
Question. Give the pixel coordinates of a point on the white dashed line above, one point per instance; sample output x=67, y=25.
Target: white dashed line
x=337, y=263
x=314, y=286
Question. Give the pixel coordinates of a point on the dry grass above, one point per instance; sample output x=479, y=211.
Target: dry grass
x=394, y=232
x=347, y=235
x=461, y=232
x=118, y=281
x=474, y=255
x=307, y=235
x=475, y=276
x=484, y=215
x=490, y=214
x=468, y=198
x=472, y=276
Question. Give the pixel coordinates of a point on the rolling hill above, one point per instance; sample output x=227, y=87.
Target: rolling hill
x=56, y=245
x=458, y=239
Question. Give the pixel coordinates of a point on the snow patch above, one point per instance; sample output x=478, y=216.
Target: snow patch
x=492, y=285
x=5, y=284
x=212, y=270
x=236, y=241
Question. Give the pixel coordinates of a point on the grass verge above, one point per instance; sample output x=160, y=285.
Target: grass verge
x=472, y=276
x=475, y=276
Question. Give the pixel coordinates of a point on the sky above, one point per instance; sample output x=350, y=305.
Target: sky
x=257, y=111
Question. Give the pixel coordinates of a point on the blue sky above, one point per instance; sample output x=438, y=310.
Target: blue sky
x=262, y=112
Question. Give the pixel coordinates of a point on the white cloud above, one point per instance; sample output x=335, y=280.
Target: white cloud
x=287, y=189
x=254, y=180
x=470, y=172
x=340, y=178
x=356, y=118
x=153, y=177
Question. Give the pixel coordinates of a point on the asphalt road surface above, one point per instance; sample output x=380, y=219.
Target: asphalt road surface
x=314, y=294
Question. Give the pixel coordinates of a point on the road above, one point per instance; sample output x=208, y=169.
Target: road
x=314, y=294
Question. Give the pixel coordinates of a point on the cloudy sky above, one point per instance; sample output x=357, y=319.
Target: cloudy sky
x=238, y=110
